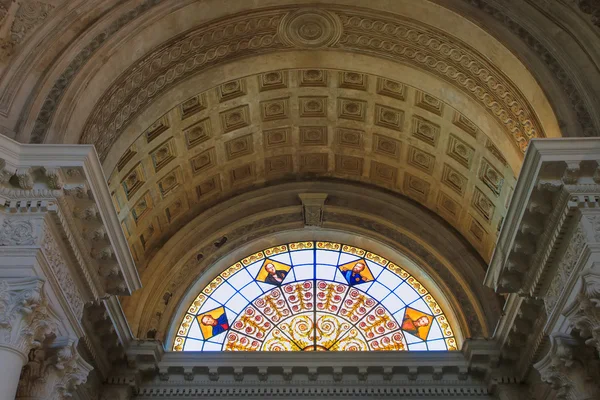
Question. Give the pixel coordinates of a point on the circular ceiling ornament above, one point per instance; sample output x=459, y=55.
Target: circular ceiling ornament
x=310, y=28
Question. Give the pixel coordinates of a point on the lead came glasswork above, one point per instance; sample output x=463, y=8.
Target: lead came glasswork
x=314, y=296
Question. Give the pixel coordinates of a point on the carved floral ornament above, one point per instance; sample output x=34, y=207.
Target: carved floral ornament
x=275, y=30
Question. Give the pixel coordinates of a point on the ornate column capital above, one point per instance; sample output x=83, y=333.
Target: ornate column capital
x=24, y=317
x=584, y=312
x=53, y=372
x=569, y=369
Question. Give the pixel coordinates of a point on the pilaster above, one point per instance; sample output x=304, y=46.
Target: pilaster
x=61, y=247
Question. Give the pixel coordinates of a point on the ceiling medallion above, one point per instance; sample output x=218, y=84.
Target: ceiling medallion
x=310, y=28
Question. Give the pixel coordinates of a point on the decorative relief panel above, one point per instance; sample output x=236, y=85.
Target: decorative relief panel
x=236, y=118
x=492, y=178
x=157, y=128
x=274, y=109
x=460, y=151
x=352, y=109
x=465, y=124
x=176, y=209
x=425, y=130
x=313, y=106
x=483, y=205
x=429, y=103
x=279, y=137
x=349, y=165
x=313, y=135
x=242, y=174
x=193, y=105
x=126, y=157
x=388, y=117
x=416, y=188
x=421, y=159
x=391, y=88
x=170, y=182
x=347, y=137
x=278, y=165
x=208, y=187
x=142, y=207
x=383, y=173
x=163, y=154
x=448, y=207
x=386, y=146
x=353, y=80
x=314, y=162
x=198, y=133
x=133, y=181
x=203, y=161
x=313, y=77
x=273, y=80
x=231, y=90
x=239, y=147
x=454, y=180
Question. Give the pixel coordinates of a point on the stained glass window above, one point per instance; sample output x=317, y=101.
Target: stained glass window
x=314, y=296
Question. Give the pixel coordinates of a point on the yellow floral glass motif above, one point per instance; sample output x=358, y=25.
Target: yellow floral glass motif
x=314, y=296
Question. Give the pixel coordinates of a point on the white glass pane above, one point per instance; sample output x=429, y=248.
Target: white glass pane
x=327, y=257
x=406, y=293
x=304, y=272
x=237, y=303
x=421, y=306
x=437, y=345
x=254, y=268
x=389, y=279
x=375, y=269
x=361, y=286
x=290, y=277
x=240, y=279
x=267, y=286
x=399, y=316
x=326, y=272
x=213, y=346
x=392, y=303
x=417, y=347
x=435, y=332
x=339, y=277
x=411, y=338
x=219, y=339
x=195, y=330
x=210, y=304
x=282, y=258
x=223, y=293
x=378, y=291
x=346, y=258
x=251, y=291
x=302, y=257
x=192, y=345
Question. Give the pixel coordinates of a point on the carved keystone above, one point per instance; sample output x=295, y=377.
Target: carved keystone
x=312, y=208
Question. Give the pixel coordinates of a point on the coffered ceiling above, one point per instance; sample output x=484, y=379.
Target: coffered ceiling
x=309, y=124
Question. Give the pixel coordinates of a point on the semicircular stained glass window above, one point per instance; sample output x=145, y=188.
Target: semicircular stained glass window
x=314, y=296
